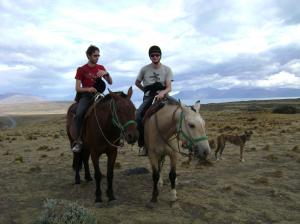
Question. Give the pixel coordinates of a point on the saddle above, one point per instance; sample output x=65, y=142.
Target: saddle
x=153, y=109
x=156, y=106
x=72, y=111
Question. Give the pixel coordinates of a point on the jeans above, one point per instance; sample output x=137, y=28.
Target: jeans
x=140, y=112
x=83, y=105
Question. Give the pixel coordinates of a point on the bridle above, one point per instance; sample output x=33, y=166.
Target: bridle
x=116, y=122
x=191, y=142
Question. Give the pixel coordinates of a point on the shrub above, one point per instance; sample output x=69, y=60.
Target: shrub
x=64, y=212
x=254, y=108
x=285, y=109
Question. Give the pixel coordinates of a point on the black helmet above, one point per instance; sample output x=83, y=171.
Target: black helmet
x=154, y=49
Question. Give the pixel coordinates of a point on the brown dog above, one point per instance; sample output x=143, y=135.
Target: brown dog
x=238, y=140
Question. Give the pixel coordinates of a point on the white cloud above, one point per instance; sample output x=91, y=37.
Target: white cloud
x=282, y=79
x=45, y=41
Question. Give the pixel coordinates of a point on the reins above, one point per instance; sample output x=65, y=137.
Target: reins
x=116, y=122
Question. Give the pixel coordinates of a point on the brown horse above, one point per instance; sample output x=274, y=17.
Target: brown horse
x=108, y=122
x=173, y=121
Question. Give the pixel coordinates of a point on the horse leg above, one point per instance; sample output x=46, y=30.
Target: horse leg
x=221, y=151
x=155, y=176
x=87, y=173
x=95, y=160
x=172, y=177
x=216, y=152
x=111, y=158
x=241, y=153
x=77, y=164
x=160, y=165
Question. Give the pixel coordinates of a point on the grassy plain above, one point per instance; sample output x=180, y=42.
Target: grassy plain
x=35, y=164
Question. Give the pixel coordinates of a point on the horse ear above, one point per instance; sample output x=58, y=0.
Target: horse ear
x=129, y=92
x=112, y=94
x=197, y=106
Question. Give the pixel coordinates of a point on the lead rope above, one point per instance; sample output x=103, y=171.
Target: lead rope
x=99, y=126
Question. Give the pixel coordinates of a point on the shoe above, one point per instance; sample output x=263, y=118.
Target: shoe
x=77, y=147
x=143, y=152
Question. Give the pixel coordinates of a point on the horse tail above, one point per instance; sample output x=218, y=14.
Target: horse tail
x=77, y=161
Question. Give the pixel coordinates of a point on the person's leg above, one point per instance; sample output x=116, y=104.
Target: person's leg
x=139, y=117
x=80, y=112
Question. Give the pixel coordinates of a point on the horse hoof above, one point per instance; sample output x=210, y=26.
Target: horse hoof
x=77, y=181
x=151, y=205
x=113, y=203
x=99, y=204
x=242, y=160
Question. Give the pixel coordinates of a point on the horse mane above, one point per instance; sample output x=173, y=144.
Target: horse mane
x=108, y=97
x=103, y=100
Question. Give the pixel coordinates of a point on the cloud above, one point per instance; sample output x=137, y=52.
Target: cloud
x=215, y=44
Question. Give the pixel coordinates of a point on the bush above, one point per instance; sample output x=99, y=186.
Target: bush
x=64, y=212
x=254, y=108
x=285, y=109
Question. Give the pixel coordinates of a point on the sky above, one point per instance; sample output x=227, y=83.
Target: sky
x=218, y=44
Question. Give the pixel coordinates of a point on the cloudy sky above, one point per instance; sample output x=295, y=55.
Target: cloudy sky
x=220, y=44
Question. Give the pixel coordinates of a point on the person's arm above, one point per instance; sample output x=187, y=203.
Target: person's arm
x=81, y=89
x=108, y=78
x=105, y=75
x=138, y=83
x=168, y=89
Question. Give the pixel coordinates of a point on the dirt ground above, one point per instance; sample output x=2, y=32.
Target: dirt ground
x=35, y=164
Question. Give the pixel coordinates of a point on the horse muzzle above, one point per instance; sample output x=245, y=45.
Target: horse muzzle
x=131, y=136
x=201, y=151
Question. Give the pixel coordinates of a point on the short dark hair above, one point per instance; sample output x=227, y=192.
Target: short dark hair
x=91, y=49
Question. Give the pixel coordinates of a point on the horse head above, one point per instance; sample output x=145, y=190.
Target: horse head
x=124, y=115
x=191, y=129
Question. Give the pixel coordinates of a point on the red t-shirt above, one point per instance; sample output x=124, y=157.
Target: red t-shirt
x=87, y=74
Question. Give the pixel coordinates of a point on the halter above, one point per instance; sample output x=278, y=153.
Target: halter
x=115, y=119
x=179, y=132
x=116, y=122
x=191, y=141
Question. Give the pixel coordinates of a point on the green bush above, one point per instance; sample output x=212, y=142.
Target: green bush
x=65, y=212
x=285, y=109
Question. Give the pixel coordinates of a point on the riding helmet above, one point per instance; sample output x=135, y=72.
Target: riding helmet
x=154, y=49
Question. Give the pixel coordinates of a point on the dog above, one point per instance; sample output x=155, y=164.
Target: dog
x=239, y=140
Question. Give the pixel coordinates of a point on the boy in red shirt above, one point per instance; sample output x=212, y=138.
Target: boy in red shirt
x=85, y=81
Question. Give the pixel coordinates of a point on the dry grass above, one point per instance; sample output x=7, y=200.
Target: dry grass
x=36, y=165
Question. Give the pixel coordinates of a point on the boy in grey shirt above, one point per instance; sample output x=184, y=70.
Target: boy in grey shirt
x=155, y=81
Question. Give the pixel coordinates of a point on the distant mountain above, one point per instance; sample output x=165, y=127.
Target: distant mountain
x=212, y=93
x=19, y=99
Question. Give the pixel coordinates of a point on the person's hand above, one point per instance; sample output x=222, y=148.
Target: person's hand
x=91, y=90
x=160, y=96
x=101, y=73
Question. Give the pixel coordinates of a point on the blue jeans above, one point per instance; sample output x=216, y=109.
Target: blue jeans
x=140, y=112
x=83, y=105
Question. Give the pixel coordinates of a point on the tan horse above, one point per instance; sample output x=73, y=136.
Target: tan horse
x=173, y=121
